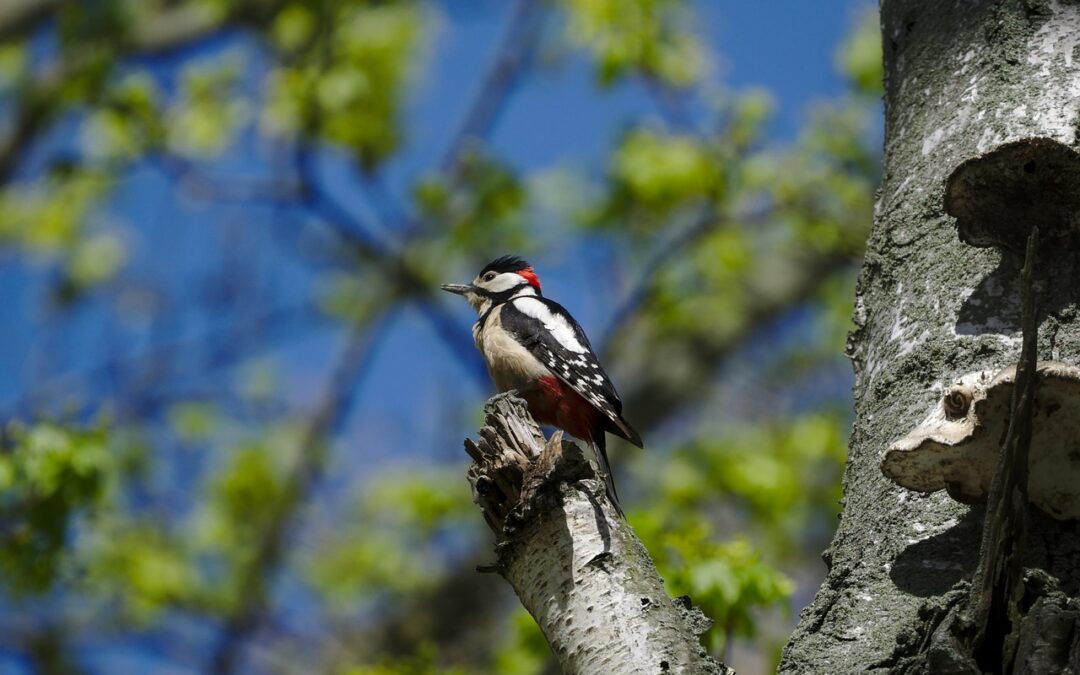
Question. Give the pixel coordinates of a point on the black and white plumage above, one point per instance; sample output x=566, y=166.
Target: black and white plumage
x=552, y=335
x=533, y=345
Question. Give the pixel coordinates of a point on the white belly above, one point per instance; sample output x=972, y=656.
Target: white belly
x=510, y=365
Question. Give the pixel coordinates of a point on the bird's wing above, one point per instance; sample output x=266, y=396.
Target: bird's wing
x=555, y=338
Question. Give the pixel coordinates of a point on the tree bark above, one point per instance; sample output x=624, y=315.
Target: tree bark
x=572, y=560
x=963, y=79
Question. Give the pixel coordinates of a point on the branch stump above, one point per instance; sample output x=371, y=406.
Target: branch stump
x=574, y=563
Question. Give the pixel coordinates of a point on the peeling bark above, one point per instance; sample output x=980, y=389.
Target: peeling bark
x=962, y=79
x=572, y=560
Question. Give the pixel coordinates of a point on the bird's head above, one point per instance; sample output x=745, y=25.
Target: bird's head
x=501, y=279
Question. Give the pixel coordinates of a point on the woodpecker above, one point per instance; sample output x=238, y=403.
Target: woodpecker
x=531, y=344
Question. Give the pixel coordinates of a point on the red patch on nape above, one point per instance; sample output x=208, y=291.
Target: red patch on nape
x=528, y=275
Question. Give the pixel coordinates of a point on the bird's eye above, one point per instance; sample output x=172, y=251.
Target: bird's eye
x=489, y=276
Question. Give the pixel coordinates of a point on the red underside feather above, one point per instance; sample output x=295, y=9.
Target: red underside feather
x=555, y=403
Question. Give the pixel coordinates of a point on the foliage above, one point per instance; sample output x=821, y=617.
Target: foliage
x=525, y=650
x=648, y=37
x=480, y=205
x=859, y=57
x=728, y=580
x=343, y=84
x=49, y=475
x=232, y=322
x=391, y=543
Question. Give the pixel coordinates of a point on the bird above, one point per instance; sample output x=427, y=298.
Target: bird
x=531, y=344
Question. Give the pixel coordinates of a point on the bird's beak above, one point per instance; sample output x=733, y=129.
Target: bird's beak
x=458, y=289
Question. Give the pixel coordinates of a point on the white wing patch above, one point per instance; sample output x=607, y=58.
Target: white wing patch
x=583, y=363
x=555, y=324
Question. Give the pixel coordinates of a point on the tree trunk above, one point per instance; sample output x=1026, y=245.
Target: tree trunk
x=573, y=561
x=964, y=80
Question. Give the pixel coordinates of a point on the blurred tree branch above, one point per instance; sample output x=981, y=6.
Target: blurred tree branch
x=658, y=390
x=17, y=17
x=306, y=188
x=510, y=57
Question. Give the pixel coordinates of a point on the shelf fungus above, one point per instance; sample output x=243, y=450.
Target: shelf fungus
x=956, y=447
x=998, y=197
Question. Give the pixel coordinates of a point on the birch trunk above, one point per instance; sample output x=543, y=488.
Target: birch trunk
x=963, y=78
x=573, y=561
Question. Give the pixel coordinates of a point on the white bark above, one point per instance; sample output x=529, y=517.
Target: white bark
x=963, y=78
x=573, y=561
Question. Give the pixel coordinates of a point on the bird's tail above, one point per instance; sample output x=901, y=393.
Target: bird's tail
x=600, y=443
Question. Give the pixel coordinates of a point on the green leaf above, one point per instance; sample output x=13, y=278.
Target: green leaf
x=48, y=476
x=210, y=109
x=346, y=85
x=647, y=37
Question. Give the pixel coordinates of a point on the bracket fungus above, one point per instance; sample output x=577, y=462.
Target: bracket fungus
x=998, y=197
x=956, y=447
